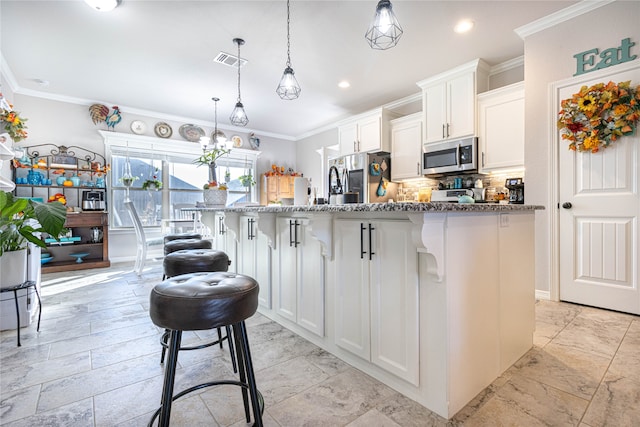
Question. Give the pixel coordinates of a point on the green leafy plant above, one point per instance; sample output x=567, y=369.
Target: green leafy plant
x=246, y=180
x=21, y=218
x=152, y=184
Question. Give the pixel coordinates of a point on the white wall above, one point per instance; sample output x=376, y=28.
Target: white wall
x=549, y=58
x=308, y=159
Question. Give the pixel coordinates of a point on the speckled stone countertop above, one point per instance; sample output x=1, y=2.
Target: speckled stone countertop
x=382, y=207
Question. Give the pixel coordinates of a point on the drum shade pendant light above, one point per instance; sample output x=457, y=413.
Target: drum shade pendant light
x=238, y=115
x=288, y=87
x=385, y=31
x=218, y=138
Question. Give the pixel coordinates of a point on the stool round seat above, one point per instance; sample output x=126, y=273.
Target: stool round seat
x=179, y=236
x=200, y=301
x=194, y=260
x=180, y=244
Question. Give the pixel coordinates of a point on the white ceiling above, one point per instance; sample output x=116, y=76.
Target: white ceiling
x=156, y=56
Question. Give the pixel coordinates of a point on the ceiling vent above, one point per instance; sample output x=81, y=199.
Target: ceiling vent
x=229, y=60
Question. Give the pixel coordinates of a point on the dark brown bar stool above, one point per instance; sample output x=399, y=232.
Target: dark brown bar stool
x=201, y=301
x=180, y=236
x=180, y=244
x=194, y=261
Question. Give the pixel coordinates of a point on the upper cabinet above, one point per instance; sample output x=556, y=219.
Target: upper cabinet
x=406, y=147
x=449, y=101
x=368, y=132
x=501, y=128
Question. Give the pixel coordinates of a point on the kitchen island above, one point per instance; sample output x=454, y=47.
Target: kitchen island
x=435, y=300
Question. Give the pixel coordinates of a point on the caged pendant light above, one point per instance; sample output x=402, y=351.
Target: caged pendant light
x=218, y=137
x=288, y=87
x=385, y=30
x=238, y=115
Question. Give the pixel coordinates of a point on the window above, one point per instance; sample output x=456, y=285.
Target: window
x=182, y=181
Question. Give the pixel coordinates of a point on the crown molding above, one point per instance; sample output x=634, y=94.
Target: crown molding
x=507, y=65
x=560, y=16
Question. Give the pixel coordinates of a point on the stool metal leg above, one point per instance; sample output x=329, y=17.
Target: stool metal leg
x=231, y=349
x=241, y=370
x=15, y=297
x=35, y=288
x=169, y=378
x=253, y=389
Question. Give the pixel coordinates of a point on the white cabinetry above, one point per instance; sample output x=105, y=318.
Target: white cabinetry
x=365, y=133
x=254, y=257
x=501, y=128
x=299, y=275
x=376, y=294
x=223, y=240
x=449, y=101
x=406, y=147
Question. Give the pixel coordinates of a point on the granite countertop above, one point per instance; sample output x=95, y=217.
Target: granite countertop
x=381, y=207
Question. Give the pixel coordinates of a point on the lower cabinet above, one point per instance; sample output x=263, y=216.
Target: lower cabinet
x=223, y=240
x=299, y=275
x=376, y=294
x=254, y=257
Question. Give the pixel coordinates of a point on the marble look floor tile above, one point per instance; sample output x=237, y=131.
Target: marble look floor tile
x=373, y=418
x=525, y=402
x=101, y=339
x=125, y=403
x=336, y=401
x=18, y=377
x=86, y=384
x=19, y=404
x=225, y=403
x=12, y=355
x=405, y=412
x=279, y=382
x=77, y=414
x=545, y=332
x=560, y=314
x=570, y=370
x=326, y=361
x=267, y=421
x=120, y=352
x=615, y=403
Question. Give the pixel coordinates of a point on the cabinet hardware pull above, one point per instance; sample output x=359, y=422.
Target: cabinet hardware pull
x=290, y=233
x=362, y=251
x=354, y=146
x=418, y=168
x=483, y=159
x=443, y=130
x=371, y=253
x=295, y=238
x=447, y=130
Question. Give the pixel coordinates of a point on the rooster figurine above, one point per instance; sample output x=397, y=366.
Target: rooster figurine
x=114, y=118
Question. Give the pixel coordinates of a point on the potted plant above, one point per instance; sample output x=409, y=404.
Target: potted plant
x=246, y=180
x=214, y=193
x=152, y=184
x=20, y=220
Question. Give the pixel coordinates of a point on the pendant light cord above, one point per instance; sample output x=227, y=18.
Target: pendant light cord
x=288, y=38
x=239, y=97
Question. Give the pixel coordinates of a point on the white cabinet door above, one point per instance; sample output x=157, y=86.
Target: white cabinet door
x=461, y=102
x=300, y=276
x=310, y=290
x=348, y=138
x=263, y=270
x=435, y=112
x=254, y=257
x=286, y=305
x=501, y=128
x=369, y=133
x=406, y=147
x=394, y=300
x=223, y=240
x=247, y=246
x=351, y=288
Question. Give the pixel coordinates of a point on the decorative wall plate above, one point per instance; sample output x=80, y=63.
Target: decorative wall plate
x=191, y=133
x=138, y=126
x=163, y=130
x=237, y=141
x=255, y=142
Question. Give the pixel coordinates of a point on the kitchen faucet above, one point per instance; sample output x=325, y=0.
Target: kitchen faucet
x=338, y=186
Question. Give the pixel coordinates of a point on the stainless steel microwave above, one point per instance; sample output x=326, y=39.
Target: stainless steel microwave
x=450, y=156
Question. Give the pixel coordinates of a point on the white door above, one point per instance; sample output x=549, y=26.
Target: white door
x=461, y=102
x=310, y=265
x=287, y=272
x=406, y=147
x=598, y=218
x=435, y=112
x=370, y=133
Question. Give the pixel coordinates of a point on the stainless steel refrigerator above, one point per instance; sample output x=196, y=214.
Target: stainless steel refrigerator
x=368, y=174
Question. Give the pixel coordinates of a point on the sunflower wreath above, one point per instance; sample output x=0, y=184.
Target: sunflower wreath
x=598, y=115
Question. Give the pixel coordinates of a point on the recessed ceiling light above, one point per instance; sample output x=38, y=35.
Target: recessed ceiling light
x=41, y=82
x=344, y=84
x=103, y=5
x=463, y=26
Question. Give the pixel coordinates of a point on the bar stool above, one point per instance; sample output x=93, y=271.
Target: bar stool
x=194, y=261
x=201, y=301
x=180, y=244
x=179, y=236
x=26, y=285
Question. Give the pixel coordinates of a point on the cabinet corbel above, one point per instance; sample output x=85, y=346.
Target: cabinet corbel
x=428, y=236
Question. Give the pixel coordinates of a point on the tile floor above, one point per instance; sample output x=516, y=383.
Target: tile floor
x=95, y=362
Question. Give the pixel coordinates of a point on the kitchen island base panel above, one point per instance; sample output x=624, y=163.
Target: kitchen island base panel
x=475, y=296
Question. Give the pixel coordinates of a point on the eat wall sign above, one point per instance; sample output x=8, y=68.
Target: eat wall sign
x=593, y=59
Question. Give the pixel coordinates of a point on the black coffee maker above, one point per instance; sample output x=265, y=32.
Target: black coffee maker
x=516, y=190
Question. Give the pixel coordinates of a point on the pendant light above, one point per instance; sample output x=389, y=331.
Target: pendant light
x=218, y=136
x=385, y=31
x=238, y=115
x=288, y=87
